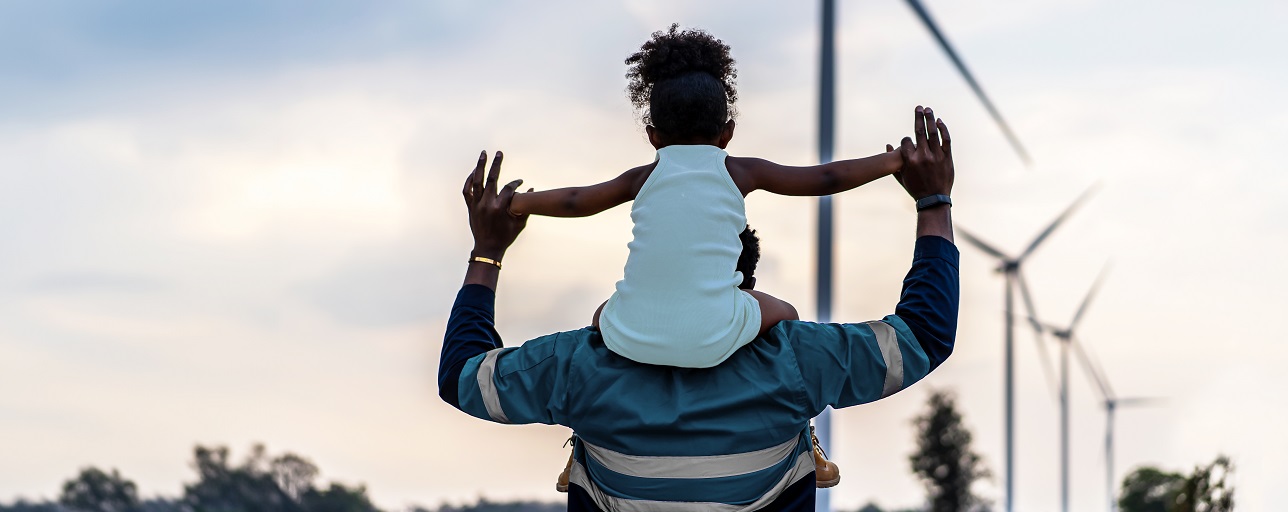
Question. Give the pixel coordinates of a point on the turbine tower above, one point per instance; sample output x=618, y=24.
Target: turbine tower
x=1109, y=400
x=1010, y=267
x=826, y=137
x=1066, y=338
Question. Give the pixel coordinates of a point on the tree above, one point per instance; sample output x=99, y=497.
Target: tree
x=337, y=498
x=944, y=460
x=513, y=506
x=94, y=490
x=1207, y=490
x=224, y=488
x=266, y=484
x=1148, y=489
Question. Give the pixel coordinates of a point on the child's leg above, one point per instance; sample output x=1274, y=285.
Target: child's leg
x=772, y=310
x=594, y=322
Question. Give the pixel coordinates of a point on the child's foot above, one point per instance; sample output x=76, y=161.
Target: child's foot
x=562, y=484
x=826, y=474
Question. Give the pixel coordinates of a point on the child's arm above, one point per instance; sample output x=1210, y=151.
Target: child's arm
x=814, y=180
x=581, y=201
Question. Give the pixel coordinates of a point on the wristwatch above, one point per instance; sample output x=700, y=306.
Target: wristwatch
x=933, y=201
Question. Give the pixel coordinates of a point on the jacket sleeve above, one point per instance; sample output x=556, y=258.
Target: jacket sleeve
x=849, y=364
x=470, y=332
x=479, y=376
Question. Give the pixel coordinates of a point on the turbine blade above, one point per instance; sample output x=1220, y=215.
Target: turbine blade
x=1047, y=370
x=1100, y=370
x=1091, y=372
x=1095, y=287
x=973, y=240
x=924, y=15
x=1058, y=220
x=1028, y=300
x=1140, y=401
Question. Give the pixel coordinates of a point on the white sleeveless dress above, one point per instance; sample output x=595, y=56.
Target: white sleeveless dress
x=678, y=303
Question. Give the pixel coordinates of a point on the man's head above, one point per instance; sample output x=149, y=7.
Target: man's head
x=749, y=258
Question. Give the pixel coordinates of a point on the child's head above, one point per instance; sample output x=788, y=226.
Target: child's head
x=682, y=82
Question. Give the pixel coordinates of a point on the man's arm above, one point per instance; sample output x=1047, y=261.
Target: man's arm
x=850, y=364
x=470, y=329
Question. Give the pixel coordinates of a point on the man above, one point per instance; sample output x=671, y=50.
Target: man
x=734, y=437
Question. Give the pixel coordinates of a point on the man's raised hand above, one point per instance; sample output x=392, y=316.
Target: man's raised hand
x=493, y=226
x=927, y=165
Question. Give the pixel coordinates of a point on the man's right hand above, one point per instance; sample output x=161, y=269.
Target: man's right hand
x=928, y=170
x=927, y=165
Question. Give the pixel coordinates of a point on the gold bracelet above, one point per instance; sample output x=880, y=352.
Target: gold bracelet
x=489, y=261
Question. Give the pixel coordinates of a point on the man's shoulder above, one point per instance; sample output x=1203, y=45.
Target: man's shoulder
x=810, y=341
x=564, y=341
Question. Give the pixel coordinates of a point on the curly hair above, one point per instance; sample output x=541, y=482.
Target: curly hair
x=749, y=257
x=682, y=82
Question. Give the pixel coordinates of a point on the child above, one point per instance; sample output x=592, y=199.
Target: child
x=679, y=302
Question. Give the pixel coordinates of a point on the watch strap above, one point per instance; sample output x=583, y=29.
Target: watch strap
x=933, y=201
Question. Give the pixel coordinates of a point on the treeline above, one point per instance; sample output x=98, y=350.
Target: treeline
x=260, y=483
x=944, y=461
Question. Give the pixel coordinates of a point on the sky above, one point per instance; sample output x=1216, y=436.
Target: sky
x=240, y=222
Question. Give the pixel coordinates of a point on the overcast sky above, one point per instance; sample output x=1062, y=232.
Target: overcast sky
x=240, y=222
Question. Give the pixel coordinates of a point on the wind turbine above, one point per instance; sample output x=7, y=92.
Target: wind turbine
x=1109, y=400
x=826, y=134
x=1066, y=338
x=1010, y=267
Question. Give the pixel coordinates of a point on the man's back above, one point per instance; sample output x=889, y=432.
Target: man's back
x=731, y=437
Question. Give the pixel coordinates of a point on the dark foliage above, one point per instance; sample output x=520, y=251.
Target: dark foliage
x=94, y=490
x=260, y=483
x=1148, y=489
x=944, y=460
x=514, y=506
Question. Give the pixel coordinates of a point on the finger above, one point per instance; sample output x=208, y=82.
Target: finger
x=932, y=135
x=476, y=178
x=507, y=192
x=919, y=125
x=889, y=148
x=906, y=148
x=506, y=198
x=947, y=143
x=493, y=175
x=465, y=189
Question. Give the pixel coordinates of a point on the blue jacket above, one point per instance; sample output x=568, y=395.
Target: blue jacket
x=734, y=437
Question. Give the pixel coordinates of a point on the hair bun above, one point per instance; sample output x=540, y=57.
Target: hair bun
x=674, y=53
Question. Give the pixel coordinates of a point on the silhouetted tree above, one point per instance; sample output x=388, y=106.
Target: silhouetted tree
x=264, y=484
x=944, y=461
x=94, y=490
x=337, y=498
x=513, y=506
x=292, y=473
x=222, y=487
x=1149, y=489
x=1206, y=490
x=22, y=505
